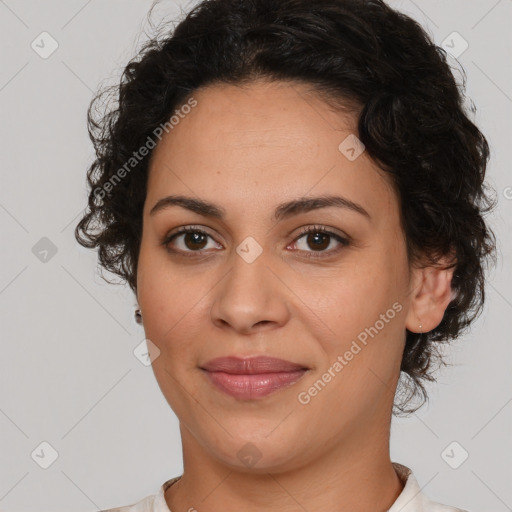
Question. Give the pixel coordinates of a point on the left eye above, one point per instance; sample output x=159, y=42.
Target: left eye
x=319, y=240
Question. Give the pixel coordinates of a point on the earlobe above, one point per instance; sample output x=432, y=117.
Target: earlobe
x=431, y=296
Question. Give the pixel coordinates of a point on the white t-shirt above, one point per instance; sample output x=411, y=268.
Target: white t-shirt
x=411, y=498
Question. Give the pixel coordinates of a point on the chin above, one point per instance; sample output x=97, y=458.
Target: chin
x=253, y=450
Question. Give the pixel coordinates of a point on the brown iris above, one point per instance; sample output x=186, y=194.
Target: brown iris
x=194, y=240
x=312, y=240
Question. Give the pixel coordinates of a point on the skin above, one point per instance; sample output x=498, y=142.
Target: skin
x=249, y=149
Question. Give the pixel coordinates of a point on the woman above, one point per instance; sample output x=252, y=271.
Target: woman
x=295, y=195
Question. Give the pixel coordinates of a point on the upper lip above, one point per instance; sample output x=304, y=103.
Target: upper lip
x=251, y=365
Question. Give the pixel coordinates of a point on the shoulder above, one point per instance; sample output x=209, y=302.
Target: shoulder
x=412, y=499
x=144, y=505
x=432, y=506
x=152, y=503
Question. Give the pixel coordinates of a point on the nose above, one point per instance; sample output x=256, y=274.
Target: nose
x=250, y=297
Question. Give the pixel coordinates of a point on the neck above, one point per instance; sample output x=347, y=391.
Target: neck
x=354, y=475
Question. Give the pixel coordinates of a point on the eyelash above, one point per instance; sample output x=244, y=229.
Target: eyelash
x=345, y=242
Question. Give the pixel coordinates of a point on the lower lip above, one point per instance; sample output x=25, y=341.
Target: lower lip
x=249, y=387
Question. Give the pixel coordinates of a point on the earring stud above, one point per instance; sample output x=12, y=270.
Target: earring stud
x=138, y=316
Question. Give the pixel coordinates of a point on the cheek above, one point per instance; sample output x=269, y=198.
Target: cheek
x=356, y=297
x=365, y=311
x=174, y=305
x=160, y=295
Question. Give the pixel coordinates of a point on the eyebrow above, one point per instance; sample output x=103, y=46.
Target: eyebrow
x=283, y=211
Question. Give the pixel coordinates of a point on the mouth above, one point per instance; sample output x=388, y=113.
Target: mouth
x=252, y=378
x=251, y=365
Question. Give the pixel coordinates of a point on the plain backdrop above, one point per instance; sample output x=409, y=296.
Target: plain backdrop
x=70, y=384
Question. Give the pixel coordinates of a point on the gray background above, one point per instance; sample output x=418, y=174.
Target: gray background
x=68, y=375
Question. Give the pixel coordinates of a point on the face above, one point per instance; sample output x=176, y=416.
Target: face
x=247, y=280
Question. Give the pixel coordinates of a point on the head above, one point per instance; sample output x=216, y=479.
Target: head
x=331, y=186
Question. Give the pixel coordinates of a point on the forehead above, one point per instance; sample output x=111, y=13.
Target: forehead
x=255, y=146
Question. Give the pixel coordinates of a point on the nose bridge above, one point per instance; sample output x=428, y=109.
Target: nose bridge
x=249, y=293
x=249, y=268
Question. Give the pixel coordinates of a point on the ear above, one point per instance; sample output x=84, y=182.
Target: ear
x=431, y=294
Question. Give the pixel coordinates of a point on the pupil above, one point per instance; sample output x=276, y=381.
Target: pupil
x=319, y=245
x=194, y=239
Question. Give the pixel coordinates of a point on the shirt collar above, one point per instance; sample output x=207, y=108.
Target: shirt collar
x=411, y=499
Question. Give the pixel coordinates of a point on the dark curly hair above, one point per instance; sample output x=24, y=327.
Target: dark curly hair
x=362, y=53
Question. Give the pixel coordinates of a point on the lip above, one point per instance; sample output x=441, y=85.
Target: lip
x=251, y=365
x=253, y=377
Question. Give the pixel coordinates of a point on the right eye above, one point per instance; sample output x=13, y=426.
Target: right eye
x=188, y=240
